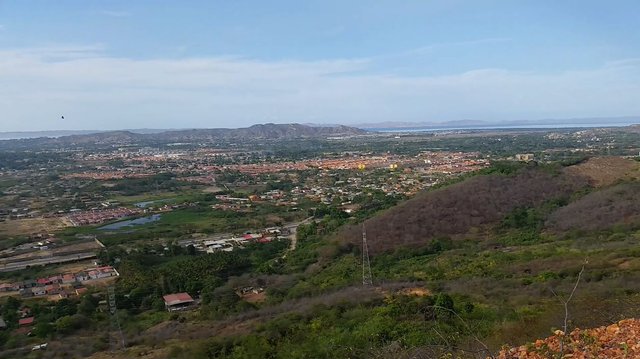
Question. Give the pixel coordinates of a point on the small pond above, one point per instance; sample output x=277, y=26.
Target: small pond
x=147, y=203
x=131, y=222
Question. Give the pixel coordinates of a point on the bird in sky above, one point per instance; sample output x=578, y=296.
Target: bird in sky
x=62, y=117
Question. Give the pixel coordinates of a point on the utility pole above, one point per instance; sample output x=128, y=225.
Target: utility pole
x=367, y=278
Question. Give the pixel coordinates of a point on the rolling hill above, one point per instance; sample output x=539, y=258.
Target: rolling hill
x=471, y=205
x=269, y=131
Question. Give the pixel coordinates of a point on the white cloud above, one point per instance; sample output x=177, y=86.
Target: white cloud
x=96, y=91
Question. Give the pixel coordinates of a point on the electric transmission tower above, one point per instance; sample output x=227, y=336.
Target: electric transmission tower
x=115, y=335
x=116, y=338
x=367, y=279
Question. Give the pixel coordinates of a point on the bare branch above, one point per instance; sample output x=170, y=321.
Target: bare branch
x=475, y=337
x=565, y=303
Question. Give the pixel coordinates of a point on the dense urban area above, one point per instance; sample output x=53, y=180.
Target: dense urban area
x=287, y=241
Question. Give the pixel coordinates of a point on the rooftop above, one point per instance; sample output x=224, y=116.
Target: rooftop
x=26, y=321
x=177, y=298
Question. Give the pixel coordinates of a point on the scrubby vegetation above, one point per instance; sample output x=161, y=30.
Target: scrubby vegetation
x=468, y=206
x=461, y=269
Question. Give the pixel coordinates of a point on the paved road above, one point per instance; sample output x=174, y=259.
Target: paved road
x=293, y=229
x=46, y=260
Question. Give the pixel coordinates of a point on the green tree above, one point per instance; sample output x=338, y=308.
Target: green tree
x=87, y=305
x=444, y=305
x=71, y=323
x=43, y=329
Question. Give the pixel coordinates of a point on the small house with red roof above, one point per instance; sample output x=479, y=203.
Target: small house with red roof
x=178, y=301
x=81, y=291
x=68, y=278
x=26, y=321
x=55, y=279
x=52, y=289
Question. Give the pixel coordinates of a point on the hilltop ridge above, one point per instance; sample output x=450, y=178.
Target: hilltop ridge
x=268, y=131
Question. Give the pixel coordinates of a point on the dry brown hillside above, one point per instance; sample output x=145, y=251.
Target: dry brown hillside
x=604, y=171
x=603, y=209
x=455, y=210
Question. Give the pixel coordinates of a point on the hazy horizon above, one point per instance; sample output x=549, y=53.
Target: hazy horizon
x=388, y=126
x=141, y=64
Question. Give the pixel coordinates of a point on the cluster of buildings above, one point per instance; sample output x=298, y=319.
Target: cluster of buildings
x=228, y=244
x=82, y=218
x=25, y=321
x=107, y=175
x=62, y=285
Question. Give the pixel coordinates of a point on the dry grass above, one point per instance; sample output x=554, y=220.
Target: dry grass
x=600, y=210
x=139, y=351
x=213, y=189
x=29, y=226
x=605, y=171
x=460, y=209
x=255, y=297
x=416, y=291
x=75, y=266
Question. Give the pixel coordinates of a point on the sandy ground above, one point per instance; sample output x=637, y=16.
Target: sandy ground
x=255, y=297
x=75, y=266
x=213, y=189
x=28, y=226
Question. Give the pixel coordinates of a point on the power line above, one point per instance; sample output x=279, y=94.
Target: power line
x=367, y=278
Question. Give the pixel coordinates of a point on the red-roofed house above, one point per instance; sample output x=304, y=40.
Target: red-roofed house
x=264, y=240
x=93, y=274
x=68, y=278
x=52, y=289
x=25, y=321
x=55, y=279
x=80, y=291
x=178, y=301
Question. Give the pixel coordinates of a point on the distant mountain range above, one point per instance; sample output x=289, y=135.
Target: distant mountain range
x=267, y=131
x=463, y=124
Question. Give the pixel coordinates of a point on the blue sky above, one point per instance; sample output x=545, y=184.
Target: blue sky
x=177, y=64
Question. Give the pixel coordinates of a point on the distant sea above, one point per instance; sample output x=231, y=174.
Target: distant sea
x=38, y=134
x=505, y=127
